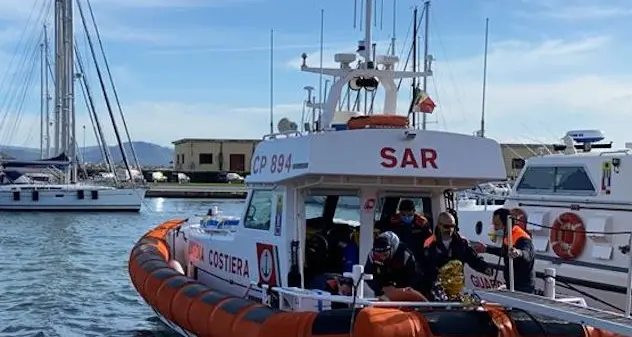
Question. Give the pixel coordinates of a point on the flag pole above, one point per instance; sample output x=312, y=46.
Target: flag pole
x=426, y=60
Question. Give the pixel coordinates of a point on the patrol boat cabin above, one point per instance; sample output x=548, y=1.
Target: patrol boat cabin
x=577, y=205
x=376, y=159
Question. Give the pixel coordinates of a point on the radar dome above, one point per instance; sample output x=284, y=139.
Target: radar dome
x=586, y=136
x=286, y=125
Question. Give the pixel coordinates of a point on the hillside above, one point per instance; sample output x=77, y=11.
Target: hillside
x=149, y=154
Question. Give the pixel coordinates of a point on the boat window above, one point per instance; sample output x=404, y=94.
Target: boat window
x=418, y=201
x=556, y=179
x=259, y=210
x=347, y=207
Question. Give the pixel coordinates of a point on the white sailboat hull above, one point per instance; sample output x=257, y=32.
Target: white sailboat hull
x=71, y=198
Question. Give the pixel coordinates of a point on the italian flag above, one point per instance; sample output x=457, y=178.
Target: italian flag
x=423, y=102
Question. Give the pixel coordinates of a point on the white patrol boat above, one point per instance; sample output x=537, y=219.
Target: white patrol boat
x=251, y=279
x=577, y=206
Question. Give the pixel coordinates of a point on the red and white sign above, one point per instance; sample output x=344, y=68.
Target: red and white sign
x=369, y=205
x=408, y=158
x=268, y=267
x=272, y=164
x=196, y=251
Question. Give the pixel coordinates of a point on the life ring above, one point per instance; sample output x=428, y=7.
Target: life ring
x=568, y=236
x=377, y=122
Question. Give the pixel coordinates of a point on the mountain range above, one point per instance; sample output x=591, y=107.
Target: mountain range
x=149, y=154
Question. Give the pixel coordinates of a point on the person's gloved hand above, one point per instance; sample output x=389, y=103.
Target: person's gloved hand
x=515, y=253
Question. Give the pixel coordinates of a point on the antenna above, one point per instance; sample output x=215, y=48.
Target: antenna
x=394, y=28
x=322, y=38
x=484, y=79
x=368, y=44
x=271, y=81
x=361, y=11
x=355, y=14
x=382, y=15
x=375, y=14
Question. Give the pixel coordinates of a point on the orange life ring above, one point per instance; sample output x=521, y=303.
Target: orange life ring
x=378, y=122
x=568, y=236
x=520, y=216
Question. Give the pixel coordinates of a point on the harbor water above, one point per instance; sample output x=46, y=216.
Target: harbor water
x=65, y=274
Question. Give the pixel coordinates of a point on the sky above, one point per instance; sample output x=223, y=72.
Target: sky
x=201, y=68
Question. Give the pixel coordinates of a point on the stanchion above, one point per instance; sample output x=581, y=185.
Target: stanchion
x=509, y=229
x=628, y=296
x=549, y=283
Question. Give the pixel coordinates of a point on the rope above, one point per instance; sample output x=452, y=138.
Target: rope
x=571, y=230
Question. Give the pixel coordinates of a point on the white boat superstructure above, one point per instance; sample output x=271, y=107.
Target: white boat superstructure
x=578, y=209
x=267, y=248
x=64, y=190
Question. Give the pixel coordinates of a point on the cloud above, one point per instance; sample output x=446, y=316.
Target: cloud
x=118, y=21
x=164, y=122
x=577, y=10
x=589, y=12
x=169, y=4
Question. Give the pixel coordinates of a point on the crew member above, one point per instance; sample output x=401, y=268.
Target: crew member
x=392, y=265
x=347, y=252
x=445, y=245
x=521, y=252
x=411, y=228
x=338, y=285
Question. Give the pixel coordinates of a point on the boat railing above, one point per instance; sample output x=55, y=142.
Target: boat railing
x=300, y=295
x=285, y=134
x=623, y=151
x=56, y=173
x=566, y=310
x=296, y=297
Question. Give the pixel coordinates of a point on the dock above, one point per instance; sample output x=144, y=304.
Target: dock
x=197, y=191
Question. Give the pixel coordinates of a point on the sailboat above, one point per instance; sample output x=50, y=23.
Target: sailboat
x=68, y=192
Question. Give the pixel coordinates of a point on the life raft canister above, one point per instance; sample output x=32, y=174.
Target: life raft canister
x=378, y=122
x=568, y=236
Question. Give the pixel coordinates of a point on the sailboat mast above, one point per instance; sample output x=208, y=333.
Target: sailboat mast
x=482, y=134
x=42, y=100
x=70, y=87
x=47, y=93
x=59, y=6
x=426, y=61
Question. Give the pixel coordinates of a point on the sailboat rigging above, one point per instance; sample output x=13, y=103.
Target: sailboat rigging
x=69, y=192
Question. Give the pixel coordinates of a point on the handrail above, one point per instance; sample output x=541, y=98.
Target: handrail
x=287, y=134
x=302, y=293
x=624, y=151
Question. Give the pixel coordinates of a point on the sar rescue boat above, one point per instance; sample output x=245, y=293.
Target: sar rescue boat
x=577, y=206
x=249, y=278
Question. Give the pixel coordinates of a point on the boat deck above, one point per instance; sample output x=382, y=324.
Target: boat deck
x=565, y=311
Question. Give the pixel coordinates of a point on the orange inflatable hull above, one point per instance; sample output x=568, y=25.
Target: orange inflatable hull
x=205, y=312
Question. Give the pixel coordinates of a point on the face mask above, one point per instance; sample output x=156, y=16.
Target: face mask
x=408, y=219
x=499, y=233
